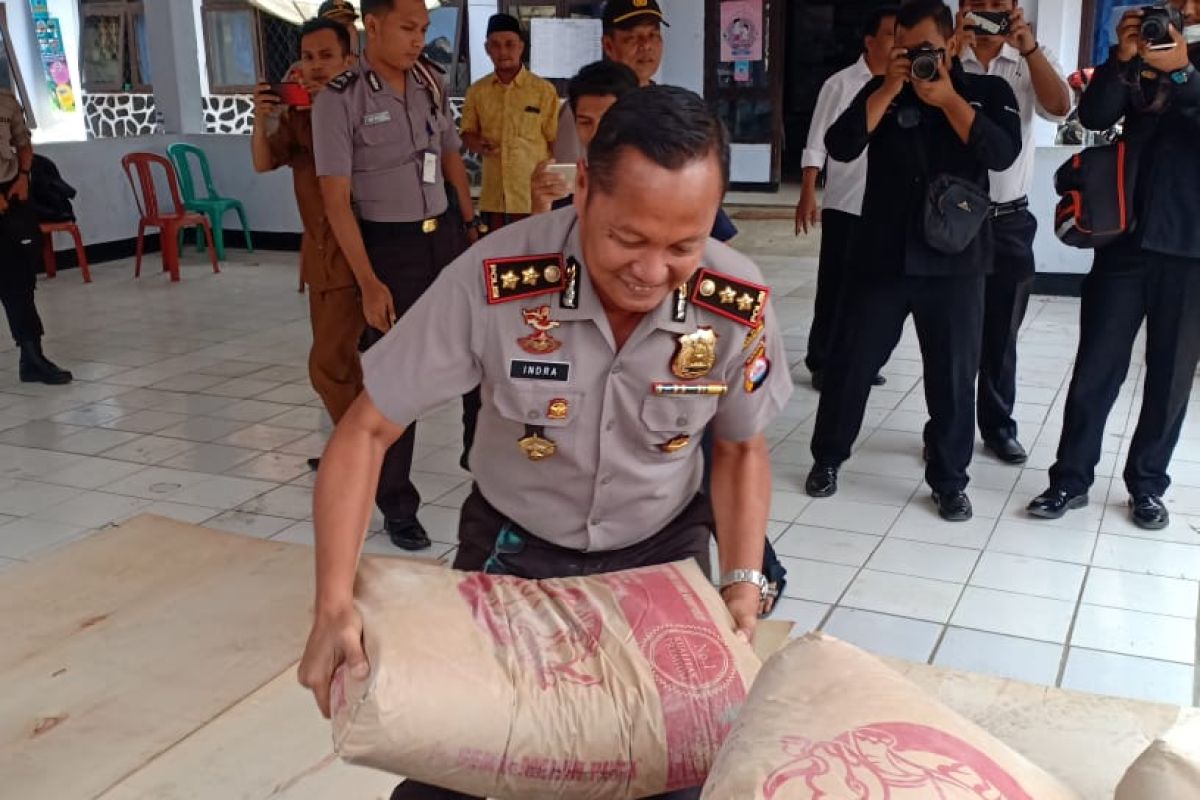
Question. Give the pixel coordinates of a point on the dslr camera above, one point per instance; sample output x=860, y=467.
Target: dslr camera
x=1157, y=21
x=926, y=63
x=989, y=23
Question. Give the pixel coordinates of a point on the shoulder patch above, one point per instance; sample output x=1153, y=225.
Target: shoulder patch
x=738, y=300
x=521, y=277
x=340, y=83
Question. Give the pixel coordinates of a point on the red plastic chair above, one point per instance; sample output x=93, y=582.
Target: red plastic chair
x=49, y=260
x=171, y=222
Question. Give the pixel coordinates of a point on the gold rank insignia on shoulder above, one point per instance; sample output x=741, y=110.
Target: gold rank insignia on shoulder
x=738, y=300
x=521, y=277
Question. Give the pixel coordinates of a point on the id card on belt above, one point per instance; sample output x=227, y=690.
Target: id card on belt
x=429, y=168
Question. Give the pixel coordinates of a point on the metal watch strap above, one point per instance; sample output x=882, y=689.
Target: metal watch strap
x=745, y=576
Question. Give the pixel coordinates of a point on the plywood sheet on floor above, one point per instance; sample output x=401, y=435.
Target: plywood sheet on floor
x=119, y=646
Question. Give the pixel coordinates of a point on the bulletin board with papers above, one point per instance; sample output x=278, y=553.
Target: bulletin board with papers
x=559, y=47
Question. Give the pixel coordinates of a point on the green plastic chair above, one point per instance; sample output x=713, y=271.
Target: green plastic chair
x=213, y=205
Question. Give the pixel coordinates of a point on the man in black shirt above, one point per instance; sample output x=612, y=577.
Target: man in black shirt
x=959, y=125
x=1150, y=274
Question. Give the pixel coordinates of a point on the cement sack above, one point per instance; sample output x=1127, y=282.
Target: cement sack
x=607, y=687
x=826, y=721
x=1169, y=769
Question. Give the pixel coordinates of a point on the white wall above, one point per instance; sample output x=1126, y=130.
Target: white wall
x=1051, y=254
x=53, y=125
x=683, y=49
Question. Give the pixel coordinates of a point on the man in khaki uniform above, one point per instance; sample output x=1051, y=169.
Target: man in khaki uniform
x=19, y=240
x=606, y=338
x=335, y=311
x=510, y=117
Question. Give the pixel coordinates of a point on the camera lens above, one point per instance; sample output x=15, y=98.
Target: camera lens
x=1155, y=29
x=925, y=67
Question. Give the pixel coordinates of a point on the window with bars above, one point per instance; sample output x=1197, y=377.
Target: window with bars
x=243, y=44
x=114, y=50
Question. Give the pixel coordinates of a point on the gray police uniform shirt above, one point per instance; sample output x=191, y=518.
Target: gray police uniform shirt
x=365, y=131
x=628, y=460
x=14, y=134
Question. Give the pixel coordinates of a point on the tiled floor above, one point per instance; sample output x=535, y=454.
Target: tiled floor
x=192, y=401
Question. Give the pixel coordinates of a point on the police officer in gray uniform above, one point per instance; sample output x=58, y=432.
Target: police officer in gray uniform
x=383, y=137
x=606, y=338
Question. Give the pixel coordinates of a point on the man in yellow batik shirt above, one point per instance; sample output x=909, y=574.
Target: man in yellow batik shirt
x=510, y=118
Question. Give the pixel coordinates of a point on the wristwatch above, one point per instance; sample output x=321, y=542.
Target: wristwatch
x=1182, y=76
x=746, y=576
x=476, y=223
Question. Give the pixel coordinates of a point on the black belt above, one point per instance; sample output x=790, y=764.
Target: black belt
x=383, y=230
x=1004, y=209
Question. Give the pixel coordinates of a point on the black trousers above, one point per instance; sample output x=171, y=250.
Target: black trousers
x=833, y=270
x=1165, y=292
x=948, y=312
x=1006, y=299
x=19, y=242
x=407, y=261
x=489, y=542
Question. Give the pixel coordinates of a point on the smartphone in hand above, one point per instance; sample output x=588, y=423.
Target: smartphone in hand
x=292, y=94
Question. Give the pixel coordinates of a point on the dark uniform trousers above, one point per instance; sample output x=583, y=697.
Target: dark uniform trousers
x=333, y=365
x=489, y=542
x=948, y=313
x=833, y=271
x=408, y=261
x=1006, y=300
x=19, y=241
x=1165, y=292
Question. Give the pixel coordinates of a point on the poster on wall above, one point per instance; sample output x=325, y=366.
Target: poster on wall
x=53, y=57
x=559, y=47
x=741, y=30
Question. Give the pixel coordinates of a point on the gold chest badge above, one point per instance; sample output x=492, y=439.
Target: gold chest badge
x=695, y=354
x=537, y=447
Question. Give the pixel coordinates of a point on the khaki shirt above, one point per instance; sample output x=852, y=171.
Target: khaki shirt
x=364, y=131
x=522, y=118
x=14, y=134
x=628, y=460
x=322, y=265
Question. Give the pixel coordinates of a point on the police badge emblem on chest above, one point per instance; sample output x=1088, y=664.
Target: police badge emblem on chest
x=695, y=354
x=540, y=341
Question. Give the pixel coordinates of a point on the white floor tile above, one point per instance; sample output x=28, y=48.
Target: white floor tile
x=786, y=506
x=824, y=544
x=1135, y=633
x=1115, y=589
x=1005, y=656
x=848, y=515
x=806, y=615
x=924, y=560
x=920, y=522
x=215, y=459
x=884, y=635
x=902, y=595
x=1042, y=541
x=92, y=473
x=1059, y=580
x=817, y=581
x=1126, y=676
x=144, y=421
x=1023, y=615
x=21, y=498
x=293, y=502
x=93, y=509
x=257, y=525
x=278, y=467
x=25, y=538
x=223, y=492
x=148, y=450
x=1153, y=558
x=91, y=441
x=202, y=429
x=877, y=489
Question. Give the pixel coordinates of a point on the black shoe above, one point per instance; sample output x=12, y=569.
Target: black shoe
x=1008, y=450
x=1054, y=503
x=818, y=380
x=1149, y=512
x=878, y=380
x=822, y=481
x=407, y=534
x=953, y=506
x=36, y=368
x=314, y=464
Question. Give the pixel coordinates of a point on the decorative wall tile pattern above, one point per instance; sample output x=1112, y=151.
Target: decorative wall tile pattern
x=120, y=114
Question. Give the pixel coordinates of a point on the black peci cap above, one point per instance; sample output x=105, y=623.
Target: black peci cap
x=503, y=23
x=627, y=13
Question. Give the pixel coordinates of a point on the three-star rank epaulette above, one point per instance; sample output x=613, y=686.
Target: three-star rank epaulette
x=522, y=277
x=738, y=300
x=340, y=83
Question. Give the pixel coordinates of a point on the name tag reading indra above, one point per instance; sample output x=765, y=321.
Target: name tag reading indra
x=540, y=370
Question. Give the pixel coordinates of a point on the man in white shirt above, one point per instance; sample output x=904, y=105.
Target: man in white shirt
x=844, y=187
x=1038, y=82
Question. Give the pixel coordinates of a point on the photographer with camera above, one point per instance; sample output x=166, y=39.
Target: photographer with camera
x=933, y=132
x=1150, y=273
x=995, y=39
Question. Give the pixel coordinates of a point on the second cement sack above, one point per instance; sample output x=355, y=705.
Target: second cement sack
x=608, y=687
